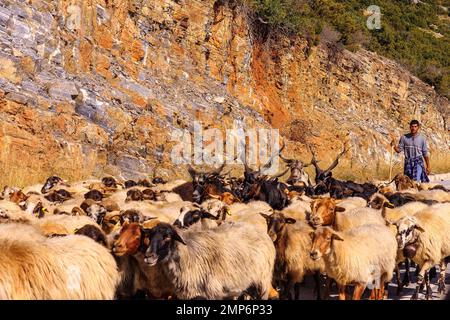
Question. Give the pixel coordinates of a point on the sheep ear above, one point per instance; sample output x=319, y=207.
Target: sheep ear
x=339, y=209
x=388, y=205
x=177, y=237
x=419, y=227
x=290, y=220
x=337, y=236
x=265, y=216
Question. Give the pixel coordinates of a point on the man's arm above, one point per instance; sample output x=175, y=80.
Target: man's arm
x=398, y=148
x=426, y=156
x=427, y=163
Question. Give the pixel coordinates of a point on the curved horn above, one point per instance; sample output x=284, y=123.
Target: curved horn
x=191, y=170
x=288, y=161
x=336, y=161
x=314, y=161
x=218, y=170
x=281, y=174
x=269, y=163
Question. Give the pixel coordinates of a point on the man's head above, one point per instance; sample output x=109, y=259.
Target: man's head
x=414, y=126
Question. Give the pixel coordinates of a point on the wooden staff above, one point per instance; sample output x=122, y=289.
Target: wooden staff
x=391, y=158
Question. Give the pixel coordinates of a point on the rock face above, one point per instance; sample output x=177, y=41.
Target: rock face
x=95, y=87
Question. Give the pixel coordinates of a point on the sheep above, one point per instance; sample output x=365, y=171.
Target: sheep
x=111, y=222
x=51, y=183
x=71, y=267
x=362, y=255
x=93, y=232
x=134, y=195
x=9, y=212
x=216, y=263
x=238, y=212
x=346, y=220
x=350, y=219
x=409, y=209
x=433, y=195
x=196, y=219
x=94, y=194
x=323, y=212
x=110, y=205
x=292, y=242
x=110, y=182
x=135, y=273
x=168, y=196
x=426, y=235
x=298, y=209
x=342, y=214
x=391, y=215
x=62, y=224
x=352, y=203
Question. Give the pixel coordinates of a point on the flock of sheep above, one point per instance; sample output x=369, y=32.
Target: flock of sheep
x=111, y=240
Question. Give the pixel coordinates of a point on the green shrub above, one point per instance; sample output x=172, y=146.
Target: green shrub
x=407, y=35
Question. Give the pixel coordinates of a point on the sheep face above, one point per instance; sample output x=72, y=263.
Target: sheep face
x=92, y=232
x=322, y=240
x=109, y=182
x=130, y=216
x=407, y=231
x=130, y=183
x=403, y=182
x=110, y=222
x=189, y=217
x=323, y=212
x=159, y=180
x=60, y=195
x=129, y=240
x=134, y=195
x=50, y=183
x=17, y=197
x=144, y=183
x=39, y=210
x=96, y=212
x=163, y=238
x=149, y=194
x=378, y=201
x=94, y=195
x=276, y=223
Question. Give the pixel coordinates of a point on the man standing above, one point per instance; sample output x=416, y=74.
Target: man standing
x=415, y=147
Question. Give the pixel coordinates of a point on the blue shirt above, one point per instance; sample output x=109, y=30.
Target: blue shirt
x=413, y=145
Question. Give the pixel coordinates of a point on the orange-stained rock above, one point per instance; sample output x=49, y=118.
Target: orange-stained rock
x=105, y=97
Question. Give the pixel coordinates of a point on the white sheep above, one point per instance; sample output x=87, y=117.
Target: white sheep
x=216, y=263
x=361, y=256
x=62, y=224
x=71, y=267
x=426, y=235
x=354, y=218
x=351, y=203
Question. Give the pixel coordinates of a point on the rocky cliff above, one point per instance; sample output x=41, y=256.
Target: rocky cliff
x=93, y=87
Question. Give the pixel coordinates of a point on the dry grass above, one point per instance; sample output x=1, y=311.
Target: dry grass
x=440, y=163
x=12, y=174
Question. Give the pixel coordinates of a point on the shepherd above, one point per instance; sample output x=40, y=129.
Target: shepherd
x=415, y=148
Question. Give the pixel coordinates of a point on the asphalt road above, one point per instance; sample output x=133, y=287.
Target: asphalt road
x=306, y=291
